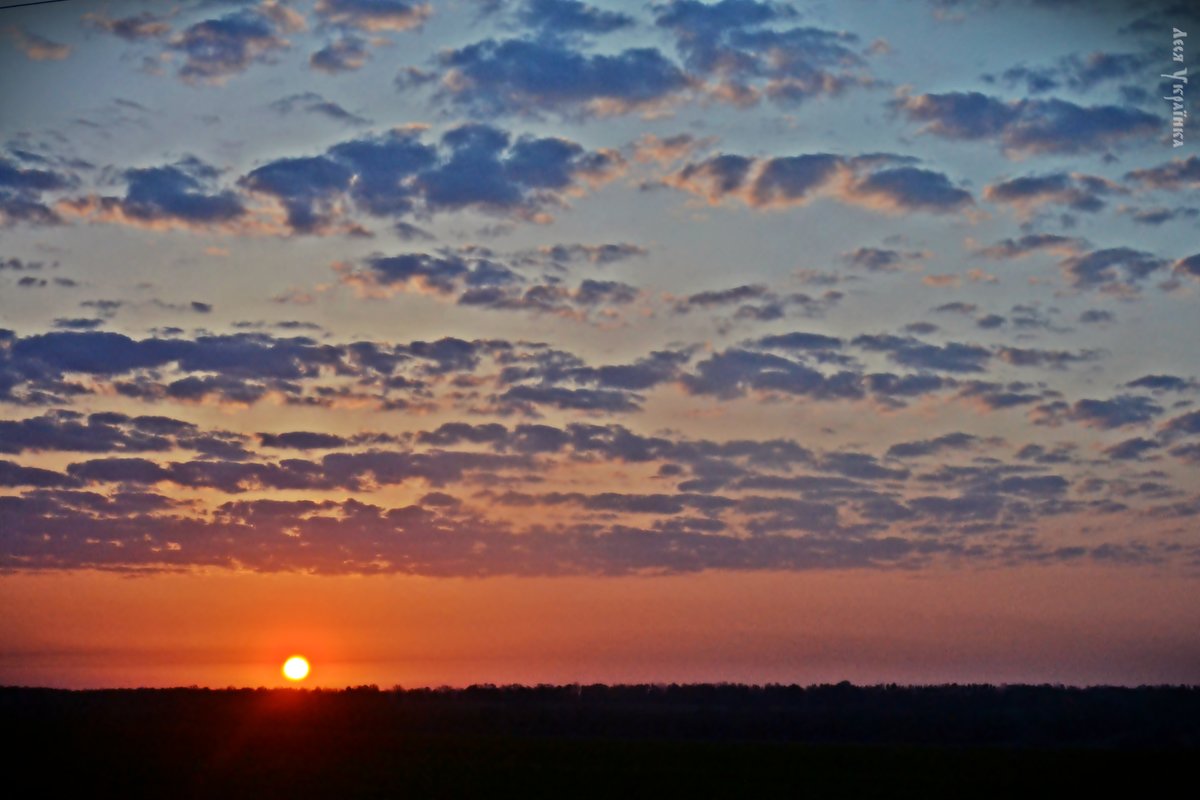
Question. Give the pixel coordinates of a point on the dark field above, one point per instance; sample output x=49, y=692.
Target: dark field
x=961, y=741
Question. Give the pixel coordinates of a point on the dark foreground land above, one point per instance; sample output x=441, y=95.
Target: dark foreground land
x=593, y=741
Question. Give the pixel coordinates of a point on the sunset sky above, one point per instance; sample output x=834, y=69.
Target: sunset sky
x=544, y=341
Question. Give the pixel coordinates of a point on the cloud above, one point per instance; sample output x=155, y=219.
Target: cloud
x=1184, y=425
x=732, y=373
x=736, y=44
x=839, y=507
x=37, y=47
x=62, y=430
x=871, y=181
x=773, y=306
x=875, y=259
x=893, y=389
x=61, y=529
x=333, y=471
x=245, y=368
x=78, y=323
x=567, y=17
x=1096, y=316
x=302, y=440
x=1115, y=270
x=216, y=49
x=445, y=535
x=733, y=52
x=1026, y=127
x=1158, y=216
x=1076, y=191
x=853, y=493
x=595, y=254
x=1116, y=412
x=724, y=175
x=620, y=502
x=957, y=307
x=911, y=352
x=30, y=282
x=1163, y=383
x=1189, y=266
x=522, y=76
x=610, y=387
x=481, y=282
x=720, y=297
x=248, y=367
x=445, y=273
x=1131, y=449
x=104, y=308
x=1085, y=73
x=133, y=28
x=660, y=366
x=911, y=189
x=1180, y=173
x=861, y=466
x=246, y=364
x=525, y=398
x=14, y=474
x=181, y=195
x=652, y=149
x=488, y=171
x=1032, y=243
x=928, y=447
x=1080, y=73
x=800, y=341
x=1053, y=359
x=344, y=54
x=22, y=190
x=374, y=16
x=313, y=103
x=395, y=174
x=14, y=264
x=97, y=433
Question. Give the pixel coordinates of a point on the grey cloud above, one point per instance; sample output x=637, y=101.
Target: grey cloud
x=477, y=167
x=1116, y=270
x=927, y=447
x=1027, y=126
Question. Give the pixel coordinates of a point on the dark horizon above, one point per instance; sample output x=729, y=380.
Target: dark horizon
x=450, y=688
x=594, y=741
x=545, y=341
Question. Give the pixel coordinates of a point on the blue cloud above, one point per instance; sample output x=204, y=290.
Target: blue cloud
x=374, y=16
x=522, y=76
x=566, y=17
x=21, y=193
x=395, y=174
x=216, y=49
x=735, y=43
x=1027, y=127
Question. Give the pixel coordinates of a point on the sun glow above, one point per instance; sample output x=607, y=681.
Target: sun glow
x=295, y=668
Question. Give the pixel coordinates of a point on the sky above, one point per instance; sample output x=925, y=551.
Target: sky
x=548, y=341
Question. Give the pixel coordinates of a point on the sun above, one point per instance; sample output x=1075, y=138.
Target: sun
x=295, y=668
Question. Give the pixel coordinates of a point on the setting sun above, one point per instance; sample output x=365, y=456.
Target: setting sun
x=295, y=668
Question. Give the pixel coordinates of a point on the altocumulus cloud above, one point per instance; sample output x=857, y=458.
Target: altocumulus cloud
x=1029, y=126
x=395, y=174
x=22, y=192
x=527, y=76
x=738, y=45
x=881, y=182
x=214, y=50
x=180, y=195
